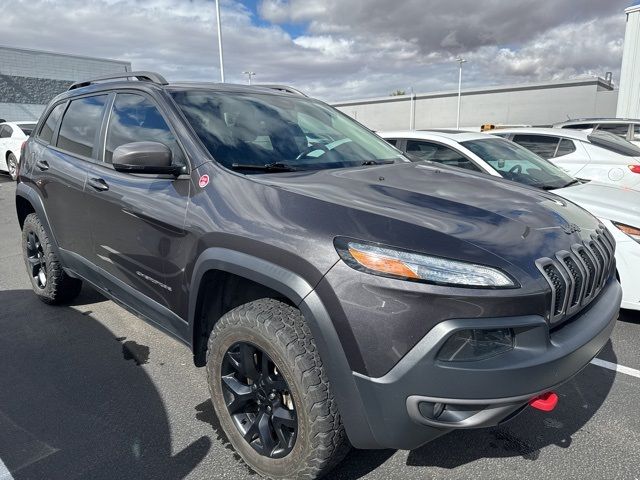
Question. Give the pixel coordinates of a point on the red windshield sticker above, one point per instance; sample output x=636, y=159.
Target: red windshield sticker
x=204, y=181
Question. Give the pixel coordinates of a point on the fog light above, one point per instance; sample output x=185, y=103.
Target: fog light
x=475, y=344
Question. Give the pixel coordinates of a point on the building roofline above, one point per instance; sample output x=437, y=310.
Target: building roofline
x=632, y=8
x=596, y=81
x=70, y=55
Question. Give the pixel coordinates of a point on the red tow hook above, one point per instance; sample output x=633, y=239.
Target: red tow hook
x=545, y=402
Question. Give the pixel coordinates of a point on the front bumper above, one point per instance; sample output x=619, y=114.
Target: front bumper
x=399, y=406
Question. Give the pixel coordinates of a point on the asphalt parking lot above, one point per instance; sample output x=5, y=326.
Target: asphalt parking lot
x=90, y=391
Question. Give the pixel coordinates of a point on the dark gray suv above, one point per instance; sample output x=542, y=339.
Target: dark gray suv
x=337, y=294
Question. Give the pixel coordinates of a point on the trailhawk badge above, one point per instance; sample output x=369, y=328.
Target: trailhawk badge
x=204, y=181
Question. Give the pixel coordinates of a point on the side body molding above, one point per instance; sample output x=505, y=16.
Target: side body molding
x=303, y=295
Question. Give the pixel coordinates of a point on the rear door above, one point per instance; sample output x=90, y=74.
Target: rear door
x=65, y=150
x=138, y=220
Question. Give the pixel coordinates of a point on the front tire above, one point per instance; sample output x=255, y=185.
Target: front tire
x=271, y=393
x=49, y=281
x=12, y=166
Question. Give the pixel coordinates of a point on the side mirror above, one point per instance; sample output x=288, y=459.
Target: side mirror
x=144, y=157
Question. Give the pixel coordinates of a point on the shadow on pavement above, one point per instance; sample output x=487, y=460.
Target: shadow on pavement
x=71, y=406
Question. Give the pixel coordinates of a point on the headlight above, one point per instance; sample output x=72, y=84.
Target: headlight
x=633, y=232
x=389, y=262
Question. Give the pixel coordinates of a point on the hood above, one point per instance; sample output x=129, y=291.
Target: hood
x=447, y=208
x=605, y=201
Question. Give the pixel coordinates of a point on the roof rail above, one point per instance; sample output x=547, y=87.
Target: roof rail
x=282, y=88
x=141, y=76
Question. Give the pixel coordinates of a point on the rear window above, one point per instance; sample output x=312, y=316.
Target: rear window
x=27, y=128
x=80, y=125
x=613, y=143
x=620, y=129
x=46, y=132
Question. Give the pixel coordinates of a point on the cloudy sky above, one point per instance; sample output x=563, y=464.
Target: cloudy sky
x=334, y=49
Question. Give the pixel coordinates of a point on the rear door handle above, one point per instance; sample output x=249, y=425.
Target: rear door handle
x=98, y=184
x=42, y=164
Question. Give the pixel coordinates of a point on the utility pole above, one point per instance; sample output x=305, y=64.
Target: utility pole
x=249, y=75
x=220, y=41
x=460, y=61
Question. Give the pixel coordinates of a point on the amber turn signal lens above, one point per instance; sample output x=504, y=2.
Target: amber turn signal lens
x=381, y=263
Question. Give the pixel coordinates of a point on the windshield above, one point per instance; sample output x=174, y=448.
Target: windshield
x=247, y=132
x=519, y=164
x=614, y=143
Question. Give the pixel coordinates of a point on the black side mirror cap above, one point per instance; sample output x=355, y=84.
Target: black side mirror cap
x=144, y=157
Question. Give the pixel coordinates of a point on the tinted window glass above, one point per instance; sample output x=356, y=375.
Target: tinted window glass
x=538, y=144
x=614, y=143
x=579, y=126
x=136, y=119
x=6, y=131
x=566, y=147
x=440, y=154
x=518, y=164
x=80, y=125
x=246, y=132
x=49, y=126
x=27, y=128
x=620, y=129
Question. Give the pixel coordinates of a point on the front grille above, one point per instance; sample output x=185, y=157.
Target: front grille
x=577, y=276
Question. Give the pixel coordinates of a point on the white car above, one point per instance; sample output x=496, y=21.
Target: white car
x=590, y=155
x=617, y=208
x=626, y=128
x=12, y=136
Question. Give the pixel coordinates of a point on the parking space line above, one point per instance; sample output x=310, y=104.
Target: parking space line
x=5, y=474
x=618, y=368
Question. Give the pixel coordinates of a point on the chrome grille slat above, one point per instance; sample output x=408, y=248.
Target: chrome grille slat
x=576, y=277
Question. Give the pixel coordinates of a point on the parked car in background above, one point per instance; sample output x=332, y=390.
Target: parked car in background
x=12, y=136
x=334, y=291
x=617, y=208
x=589, y=155
x=626, y=128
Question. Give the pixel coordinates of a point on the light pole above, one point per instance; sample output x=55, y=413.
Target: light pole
x=460, y=61
x=412, y=110
x=249, y=74
x=220, y=41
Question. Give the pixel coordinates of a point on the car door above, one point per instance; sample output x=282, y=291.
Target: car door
x=66, y=144
x=138, y=220
x=5, y=138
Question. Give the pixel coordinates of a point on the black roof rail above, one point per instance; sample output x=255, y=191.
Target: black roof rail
x=141, y=76
x=282, y=88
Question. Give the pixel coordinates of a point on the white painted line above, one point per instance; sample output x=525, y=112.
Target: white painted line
x=4, y=472
x=618, y=368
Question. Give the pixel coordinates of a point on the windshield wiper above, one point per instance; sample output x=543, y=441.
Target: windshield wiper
x=269, y=167
x=377, y=162
x=572, y=182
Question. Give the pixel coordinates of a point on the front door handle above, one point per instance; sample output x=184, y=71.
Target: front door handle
x=42, y=164
x=98, y=184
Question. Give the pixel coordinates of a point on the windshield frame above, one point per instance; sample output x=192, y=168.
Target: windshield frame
x=364, y=141
x=553, y=171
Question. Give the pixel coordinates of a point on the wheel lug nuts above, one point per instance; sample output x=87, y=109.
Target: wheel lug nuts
x=272, y=396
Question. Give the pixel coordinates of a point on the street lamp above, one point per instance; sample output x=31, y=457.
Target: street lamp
x=412, y=110
x=220, y=41
x=249, y=75
x=460, y=61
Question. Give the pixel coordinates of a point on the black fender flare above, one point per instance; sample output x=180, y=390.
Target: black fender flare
x=29, y=194
x=303, y=295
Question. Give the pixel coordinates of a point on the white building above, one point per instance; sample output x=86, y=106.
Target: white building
x=30, y=78
x=530, y=104
x=629, y=96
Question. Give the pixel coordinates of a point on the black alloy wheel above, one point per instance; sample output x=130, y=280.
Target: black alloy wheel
x=37, y=260
x=259, y=400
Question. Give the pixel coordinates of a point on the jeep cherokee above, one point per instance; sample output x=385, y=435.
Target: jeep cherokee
x=336, y=293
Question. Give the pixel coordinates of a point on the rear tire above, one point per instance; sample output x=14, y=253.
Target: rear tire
x=272, y=330
x=12, y=166
x=49, y=281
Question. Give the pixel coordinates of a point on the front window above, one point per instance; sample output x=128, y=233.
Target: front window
x=519, y=164
x=252, y=132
